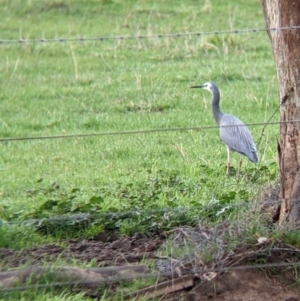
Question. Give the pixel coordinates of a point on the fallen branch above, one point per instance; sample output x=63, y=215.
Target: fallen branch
x=164, y=288
x=91, y=278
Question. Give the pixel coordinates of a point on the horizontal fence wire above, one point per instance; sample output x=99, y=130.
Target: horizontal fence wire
x=155, y=36
x=196, y=272
x=134, y=132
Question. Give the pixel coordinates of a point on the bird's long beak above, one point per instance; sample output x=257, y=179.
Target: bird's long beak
x=201, y=86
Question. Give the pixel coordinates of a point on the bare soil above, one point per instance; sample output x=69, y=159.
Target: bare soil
x=243, y=285
x=105, y=251
x=277, y=284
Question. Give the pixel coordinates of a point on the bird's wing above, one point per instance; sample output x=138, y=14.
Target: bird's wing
x=237, y=137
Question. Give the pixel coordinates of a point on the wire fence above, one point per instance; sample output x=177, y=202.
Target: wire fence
x=134, y=132
x=155, y=36
x=164, y=211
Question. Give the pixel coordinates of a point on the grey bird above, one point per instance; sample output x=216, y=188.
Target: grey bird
x=233, y=131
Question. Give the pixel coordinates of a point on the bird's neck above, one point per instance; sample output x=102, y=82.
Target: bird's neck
x=215, y=107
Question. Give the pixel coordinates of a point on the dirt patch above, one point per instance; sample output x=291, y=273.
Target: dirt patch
x=276, y=284
x=243, y=285
x=115, y=252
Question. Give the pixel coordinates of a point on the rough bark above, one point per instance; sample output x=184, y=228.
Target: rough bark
x=286, y=52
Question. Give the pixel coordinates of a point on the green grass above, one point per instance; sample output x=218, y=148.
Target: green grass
x=90, y=87
x=70, y=88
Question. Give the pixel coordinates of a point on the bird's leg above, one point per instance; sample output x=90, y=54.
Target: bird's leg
x=239, y=166
x=228, y=161
x=228, y=168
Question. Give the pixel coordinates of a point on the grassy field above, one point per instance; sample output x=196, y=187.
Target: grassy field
x=122, y=85
x=91, y=87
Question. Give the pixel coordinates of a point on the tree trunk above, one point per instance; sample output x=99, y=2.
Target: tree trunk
x=286, y=51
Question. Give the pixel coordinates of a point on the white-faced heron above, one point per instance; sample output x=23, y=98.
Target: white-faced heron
x=233, y=131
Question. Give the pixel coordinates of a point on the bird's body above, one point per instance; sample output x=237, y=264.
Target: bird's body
x=231, y=126
x=233, y=131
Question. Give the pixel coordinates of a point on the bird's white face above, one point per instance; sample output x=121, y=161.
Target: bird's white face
x=207, y=86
